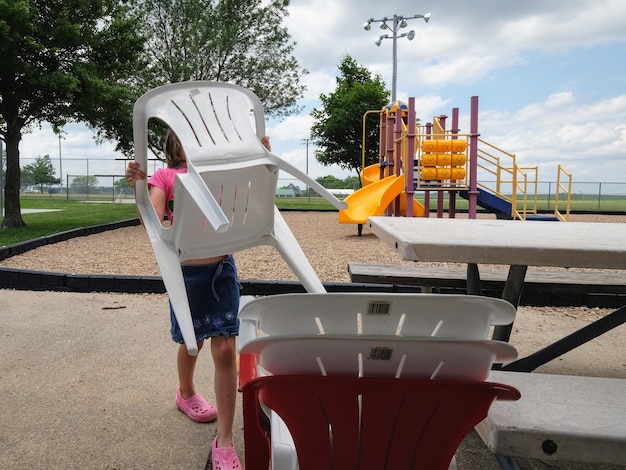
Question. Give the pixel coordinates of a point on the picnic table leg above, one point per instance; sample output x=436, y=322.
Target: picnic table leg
x=585, y=334
x=512, y=293
x=473, y=279
x=507, y=463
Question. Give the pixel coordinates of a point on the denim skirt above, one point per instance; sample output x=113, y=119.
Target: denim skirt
x=213, y=291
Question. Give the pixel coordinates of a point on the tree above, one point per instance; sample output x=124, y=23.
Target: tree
x=122, y=187
x=41, y=172
x=330, y=182
x=338, y=126
x=60, y=61
x=83, y=184
x=238, y=41
x=352, y=182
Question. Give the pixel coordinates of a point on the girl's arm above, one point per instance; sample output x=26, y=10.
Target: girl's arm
x=159, y=201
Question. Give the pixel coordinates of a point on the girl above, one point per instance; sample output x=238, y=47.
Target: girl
x=213, y=292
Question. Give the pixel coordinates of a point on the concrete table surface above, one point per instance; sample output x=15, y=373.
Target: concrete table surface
x=508, y=242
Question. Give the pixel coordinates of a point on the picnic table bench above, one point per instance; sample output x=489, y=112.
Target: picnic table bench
x=564, y=287
x=559, y=418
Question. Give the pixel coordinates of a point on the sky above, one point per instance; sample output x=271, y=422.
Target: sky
x=550, y=77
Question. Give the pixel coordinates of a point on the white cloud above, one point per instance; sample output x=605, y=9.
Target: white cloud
x=549, y=76
x=292, y=128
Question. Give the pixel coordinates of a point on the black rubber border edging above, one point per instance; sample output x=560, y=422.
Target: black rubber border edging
x=20, y=279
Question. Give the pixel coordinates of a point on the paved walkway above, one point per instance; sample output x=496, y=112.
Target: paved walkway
x=87, y=382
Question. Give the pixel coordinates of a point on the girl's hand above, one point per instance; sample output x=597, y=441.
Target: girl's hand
x=134, y=173
x=266, y=143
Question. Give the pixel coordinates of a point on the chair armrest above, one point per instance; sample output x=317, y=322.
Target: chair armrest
x=292, y=170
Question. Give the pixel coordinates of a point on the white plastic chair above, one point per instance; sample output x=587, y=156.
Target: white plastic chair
x=225, y=201
x=389, y=335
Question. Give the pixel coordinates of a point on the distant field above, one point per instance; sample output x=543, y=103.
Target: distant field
x=577, y=204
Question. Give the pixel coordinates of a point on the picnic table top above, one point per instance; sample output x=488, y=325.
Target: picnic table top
x=510, y=242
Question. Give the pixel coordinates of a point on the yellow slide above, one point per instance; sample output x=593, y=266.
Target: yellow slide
x=373, y=199
x=370, y=174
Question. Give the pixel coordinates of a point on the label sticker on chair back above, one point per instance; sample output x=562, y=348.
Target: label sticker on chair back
x=379, y=307
x=381, y=353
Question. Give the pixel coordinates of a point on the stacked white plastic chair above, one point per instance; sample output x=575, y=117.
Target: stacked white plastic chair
x=394, y=336
x=225, y=201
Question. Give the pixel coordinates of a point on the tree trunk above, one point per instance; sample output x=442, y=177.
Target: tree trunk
x=12, y=208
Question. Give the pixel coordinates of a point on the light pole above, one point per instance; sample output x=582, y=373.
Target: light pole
x=397, y=22
x=61, y=160
x=1, y=179
x=308, y=191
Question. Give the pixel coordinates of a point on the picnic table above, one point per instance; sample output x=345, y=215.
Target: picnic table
x=519, y=244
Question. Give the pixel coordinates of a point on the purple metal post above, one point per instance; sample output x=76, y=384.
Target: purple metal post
x=473, y=166
x=452, y=194
x=408, y=171
x=397, y=156
x=391, y=119
x=383, y=145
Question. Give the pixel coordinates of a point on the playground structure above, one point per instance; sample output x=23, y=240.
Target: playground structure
x=445, y=161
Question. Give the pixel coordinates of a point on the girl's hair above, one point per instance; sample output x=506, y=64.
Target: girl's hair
x=173, y=150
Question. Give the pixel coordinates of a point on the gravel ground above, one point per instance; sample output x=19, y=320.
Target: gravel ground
x=330, y=246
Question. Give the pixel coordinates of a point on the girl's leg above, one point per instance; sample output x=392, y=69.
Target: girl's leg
x=186, y=366
x=224, y=354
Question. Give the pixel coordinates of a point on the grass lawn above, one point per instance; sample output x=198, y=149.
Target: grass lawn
x=68, y=215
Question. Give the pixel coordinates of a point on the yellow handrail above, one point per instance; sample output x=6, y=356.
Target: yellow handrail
x=567, y=190
x=510, y=179
x=363, y=142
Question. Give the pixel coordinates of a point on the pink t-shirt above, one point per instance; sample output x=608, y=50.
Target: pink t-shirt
x=163, y=178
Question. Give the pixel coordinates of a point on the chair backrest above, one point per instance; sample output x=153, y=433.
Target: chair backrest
x=368, y=423
x=391, y=314
x=211, y=119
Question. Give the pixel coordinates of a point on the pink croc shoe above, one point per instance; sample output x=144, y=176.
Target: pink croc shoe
x=196, y=408
x=224, y=458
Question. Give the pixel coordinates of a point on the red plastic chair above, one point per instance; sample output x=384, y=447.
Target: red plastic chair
x=366, y=423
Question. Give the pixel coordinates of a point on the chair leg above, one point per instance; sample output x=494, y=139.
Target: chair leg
x=290, y=250
x=172, y=275
x=255, y=432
